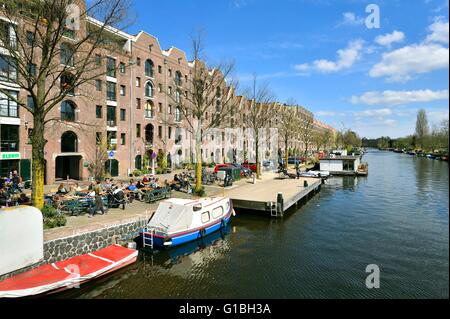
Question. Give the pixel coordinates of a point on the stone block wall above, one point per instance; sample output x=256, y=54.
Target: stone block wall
x=68, y=247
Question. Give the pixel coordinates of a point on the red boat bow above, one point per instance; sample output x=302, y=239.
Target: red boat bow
x=68, y=273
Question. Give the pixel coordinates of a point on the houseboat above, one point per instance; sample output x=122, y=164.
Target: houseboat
x=179, y=221
x=342, y=165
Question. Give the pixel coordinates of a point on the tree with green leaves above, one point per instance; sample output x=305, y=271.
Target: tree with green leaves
x=422, y=128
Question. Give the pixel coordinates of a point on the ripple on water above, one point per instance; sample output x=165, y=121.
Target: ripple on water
x=396, y=218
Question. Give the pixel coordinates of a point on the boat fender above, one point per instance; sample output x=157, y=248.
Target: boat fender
x=202, y=233
x=222, y=223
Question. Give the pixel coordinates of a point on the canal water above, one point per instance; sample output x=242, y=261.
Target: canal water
x=397, y=218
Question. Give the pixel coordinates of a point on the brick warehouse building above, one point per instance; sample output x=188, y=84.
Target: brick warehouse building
x=132, y=105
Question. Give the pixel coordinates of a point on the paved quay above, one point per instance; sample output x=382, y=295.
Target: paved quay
x=265, y=190
x=258, y=197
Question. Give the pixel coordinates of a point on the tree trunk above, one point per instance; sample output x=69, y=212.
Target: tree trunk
x=198, y=155
x=258, y=166
x=38, y=162
x=286, y=153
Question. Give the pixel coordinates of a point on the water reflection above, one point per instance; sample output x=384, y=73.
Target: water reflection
x=397, y=218
x=185, y=261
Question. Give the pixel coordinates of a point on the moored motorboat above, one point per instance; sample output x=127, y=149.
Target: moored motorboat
x=179, y=221
x=67, y=274
x=315, y=174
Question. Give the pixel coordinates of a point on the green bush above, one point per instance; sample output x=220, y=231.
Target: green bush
x=201, y=192
x=137, y=173
x=52, y=218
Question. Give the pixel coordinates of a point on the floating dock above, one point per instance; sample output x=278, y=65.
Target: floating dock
x=272, y=195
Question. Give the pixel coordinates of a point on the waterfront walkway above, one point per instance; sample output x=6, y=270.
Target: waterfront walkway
x=265, y=189
x=256, y=197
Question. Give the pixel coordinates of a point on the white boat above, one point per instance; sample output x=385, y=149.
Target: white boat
x=316, y=174
x=178, y=221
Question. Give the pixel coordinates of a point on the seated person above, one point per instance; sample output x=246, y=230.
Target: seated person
x=91, y=186
x=72, y=191
x=140, y=185
x=62, y=190
x=145, y=180
x=176, y=178
x=132, y=187
x=107, y=185
x=77, y=187
x=155, y=184
x=23, y=199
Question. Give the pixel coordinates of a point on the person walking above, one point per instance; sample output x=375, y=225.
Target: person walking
x=99, y=205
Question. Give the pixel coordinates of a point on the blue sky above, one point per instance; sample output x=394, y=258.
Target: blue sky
x=321, y=54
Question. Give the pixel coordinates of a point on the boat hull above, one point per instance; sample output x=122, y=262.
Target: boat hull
x=185, y=237
x=71, y=273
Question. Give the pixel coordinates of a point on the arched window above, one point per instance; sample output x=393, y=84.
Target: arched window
x=68, y=111
x=69, y=142
x=218, y=92
x=67, y=54
x=149, y=68
x=149, y=109
x=178, y=78
x=149, y=89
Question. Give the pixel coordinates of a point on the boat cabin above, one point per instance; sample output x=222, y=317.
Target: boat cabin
x=341, y=165
x=175, y=214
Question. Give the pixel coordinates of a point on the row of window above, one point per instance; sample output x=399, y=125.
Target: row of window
x=216, y=213
x=149, y=69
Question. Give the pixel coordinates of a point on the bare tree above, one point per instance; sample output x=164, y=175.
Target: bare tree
x=260, y=112
x=51, y=54
x=306, y=129
x=207, y=100
x=288, y=125
x=97, y=163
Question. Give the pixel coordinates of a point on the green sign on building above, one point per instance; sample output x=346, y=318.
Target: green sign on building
x=10, y=156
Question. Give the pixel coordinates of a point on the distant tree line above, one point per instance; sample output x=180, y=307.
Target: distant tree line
x=348, y=139
x=429, y=139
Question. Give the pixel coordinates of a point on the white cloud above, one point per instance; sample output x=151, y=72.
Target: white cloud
x=439, y=32
x=388, y=39
x=390, y=122
x=302, y=67
x=351, y=19
x=346, y=58
x=325, y=113
x=374, y=113
x=399, y=97
x=400, y=65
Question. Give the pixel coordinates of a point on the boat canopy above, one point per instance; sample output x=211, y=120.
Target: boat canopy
x=173, y=216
